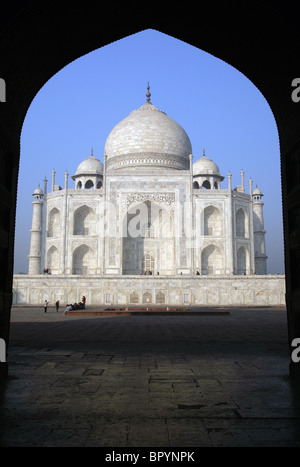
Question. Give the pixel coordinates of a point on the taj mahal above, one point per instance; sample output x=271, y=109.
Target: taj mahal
x=148, y=226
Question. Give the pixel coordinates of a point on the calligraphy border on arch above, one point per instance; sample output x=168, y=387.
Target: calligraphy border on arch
x=160, y=198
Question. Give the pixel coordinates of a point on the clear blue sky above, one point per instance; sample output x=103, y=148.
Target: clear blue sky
x=219, y=108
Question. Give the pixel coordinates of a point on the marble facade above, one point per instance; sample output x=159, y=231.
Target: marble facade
x=149, y=221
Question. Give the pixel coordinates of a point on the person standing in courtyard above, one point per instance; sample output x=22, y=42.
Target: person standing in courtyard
x=57, y=305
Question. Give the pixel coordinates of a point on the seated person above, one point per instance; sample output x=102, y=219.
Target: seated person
x=68, y=308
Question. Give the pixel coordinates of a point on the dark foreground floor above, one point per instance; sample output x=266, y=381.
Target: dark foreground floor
x=153, y=381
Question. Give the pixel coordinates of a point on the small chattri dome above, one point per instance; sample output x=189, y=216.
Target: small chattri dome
x=38, y=191
x=257, y=192
x=205, y=166
x=90, y=166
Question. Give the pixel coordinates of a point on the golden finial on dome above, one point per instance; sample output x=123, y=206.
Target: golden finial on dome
x=148, y=93
x=203, y=152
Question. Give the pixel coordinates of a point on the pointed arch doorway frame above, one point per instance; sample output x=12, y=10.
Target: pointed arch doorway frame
x=27, y=64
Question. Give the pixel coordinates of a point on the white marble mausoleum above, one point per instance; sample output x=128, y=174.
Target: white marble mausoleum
x=148, y=225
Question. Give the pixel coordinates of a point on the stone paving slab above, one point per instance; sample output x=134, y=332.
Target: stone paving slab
x=149, y=381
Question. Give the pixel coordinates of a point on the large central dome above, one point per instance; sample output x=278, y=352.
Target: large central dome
x=148, y=138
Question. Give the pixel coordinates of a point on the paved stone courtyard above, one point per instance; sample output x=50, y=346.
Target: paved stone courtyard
x=149, y=381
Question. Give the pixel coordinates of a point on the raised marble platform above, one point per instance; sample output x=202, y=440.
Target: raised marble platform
x=182, y=290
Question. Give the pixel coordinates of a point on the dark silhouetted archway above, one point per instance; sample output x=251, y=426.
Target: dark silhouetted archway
x=37, y=39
